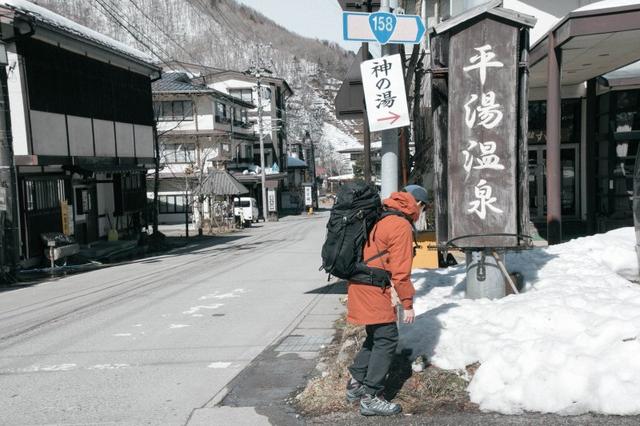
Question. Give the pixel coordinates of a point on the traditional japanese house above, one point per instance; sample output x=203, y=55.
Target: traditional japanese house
x=81, y=121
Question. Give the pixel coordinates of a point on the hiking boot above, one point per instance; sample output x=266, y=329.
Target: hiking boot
x=355, y=390
x=378, y=406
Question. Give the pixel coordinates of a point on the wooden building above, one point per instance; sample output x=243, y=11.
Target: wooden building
x=81, y=120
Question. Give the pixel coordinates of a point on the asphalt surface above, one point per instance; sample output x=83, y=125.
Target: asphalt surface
x=153, y=341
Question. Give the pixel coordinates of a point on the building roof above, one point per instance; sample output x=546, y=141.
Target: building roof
x=226, y=74
x=296, y=163
x=47, y=19
x=220, y=182
x=180, y=83
x=491, y=8
x=594, y=40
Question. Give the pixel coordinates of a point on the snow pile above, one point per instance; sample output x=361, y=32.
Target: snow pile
x=569, y=344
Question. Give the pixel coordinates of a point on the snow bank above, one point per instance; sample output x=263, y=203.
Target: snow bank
x=569, y=344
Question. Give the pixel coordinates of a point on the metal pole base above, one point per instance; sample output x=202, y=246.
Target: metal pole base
x=484, y=277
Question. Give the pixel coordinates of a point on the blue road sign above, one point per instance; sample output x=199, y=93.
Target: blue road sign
x=382, y=24
x=382, y=27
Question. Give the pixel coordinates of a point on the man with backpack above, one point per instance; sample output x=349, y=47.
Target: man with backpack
x=389, y=247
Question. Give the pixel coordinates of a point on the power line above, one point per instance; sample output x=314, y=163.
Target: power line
x=109, y=14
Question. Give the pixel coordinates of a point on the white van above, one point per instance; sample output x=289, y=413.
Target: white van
x=246, y=209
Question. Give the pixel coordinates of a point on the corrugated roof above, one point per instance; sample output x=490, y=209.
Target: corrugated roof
x=179, y=82
x=293, y=162
x=220, y=182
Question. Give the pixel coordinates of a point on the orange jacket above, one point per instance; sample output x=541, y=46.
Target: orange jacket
x=369, y=304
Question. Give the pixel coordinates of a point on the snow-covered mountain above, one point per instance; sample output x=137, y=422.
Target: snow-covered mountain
x=225, y=34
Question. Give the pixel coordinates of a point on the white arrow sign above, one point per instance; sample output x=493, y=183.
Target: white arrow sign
x=384, y=93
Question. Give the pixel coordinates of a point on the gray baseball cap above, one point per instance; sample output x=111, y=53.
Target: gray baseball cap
x=418, y=192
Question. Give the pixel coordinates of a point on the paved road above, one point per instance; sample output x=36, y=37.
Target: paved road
x=151, y=341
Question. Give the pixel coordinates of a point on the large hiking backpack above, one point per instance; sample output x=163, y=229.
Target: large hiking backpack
x=357, y=208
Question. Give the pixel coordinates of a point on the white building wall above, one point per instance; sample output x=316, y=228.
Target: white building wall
x=124, y=140
x=80, y=136
x=144, y=141
x=49, y=133
x=17, y=104
x=104, y=138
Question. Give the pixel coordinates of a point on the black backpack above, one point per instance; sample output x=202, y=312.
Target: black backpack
x=357, y=208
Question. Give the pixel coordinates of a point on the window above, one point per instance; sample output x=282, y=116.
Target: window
x=627, y=115
x=244, y=94
x=43, y=194
x=173, y=204
x=84, y=203
x=570, y=121
x=173, y=110
x=128, y=192
x=179, y=153
x=221, y=113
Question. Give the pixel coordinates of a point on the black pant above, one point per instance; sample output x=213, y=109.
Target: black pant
x=371, y=365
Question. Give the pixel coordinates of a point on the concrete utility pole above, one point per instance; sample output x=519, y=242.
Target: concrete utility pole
x=10, y=242
x=261, y=136
x=389, y=137
x=365, y=120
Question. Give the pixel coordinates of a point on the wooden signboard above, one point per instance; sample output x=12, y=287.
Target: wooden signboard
x=482, y=135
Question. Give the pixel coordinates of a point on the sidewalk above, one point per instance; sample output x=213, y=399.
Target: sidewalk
x=259, y=394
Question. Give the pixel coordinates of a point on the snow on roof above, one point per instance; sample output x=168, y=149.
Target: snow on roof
x=606, y=4
x=341, y=177
x=40, y=14
x=568, y=344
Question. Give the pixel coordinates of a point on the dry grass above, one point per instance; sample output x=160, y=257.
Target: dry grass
x=429, y=391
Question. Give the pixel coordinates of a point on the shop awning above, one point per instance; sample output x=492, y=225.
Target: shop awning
x=594, y=40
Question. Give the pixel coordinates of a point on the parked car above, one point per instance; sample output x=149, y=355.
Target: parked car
x=246, y=209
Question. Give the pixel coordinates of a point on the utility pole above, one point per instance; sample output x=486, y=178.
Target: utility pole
x=257, y=72
x=389, y=137
x=10, y=241
x=156, y=177
x=365, y=119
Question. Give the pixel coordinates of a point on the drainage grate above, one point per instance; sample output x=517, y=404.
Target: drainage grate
x=297, y=343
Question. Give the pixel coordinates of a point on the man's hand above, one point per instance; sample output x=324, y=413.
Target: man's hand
x=409, y=316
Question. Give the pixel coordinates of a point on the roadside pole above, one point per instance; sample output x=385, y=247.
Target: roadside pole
x=365, y=122
x=389, y=137
x=10, y=242
x=263, y=177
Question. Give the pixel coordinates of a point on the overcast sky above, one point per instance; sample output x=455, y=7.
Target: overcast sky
x=309, y=18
